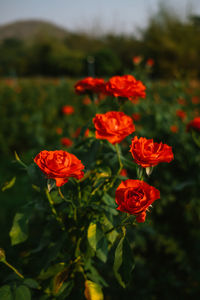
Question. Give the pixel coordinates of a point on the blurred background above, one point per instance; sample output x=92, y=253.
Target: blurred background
x=45, y=47
x=74, y=38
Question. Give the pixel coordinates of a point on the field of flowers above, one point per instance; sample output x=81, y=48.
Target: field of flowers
x=100, y=188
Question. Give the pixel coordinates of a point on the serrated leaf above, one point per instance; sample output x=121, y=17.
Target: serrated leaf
x=8, y=184
x=19, y=230
x=5, y=293
x=22, y=293
x=93, y=291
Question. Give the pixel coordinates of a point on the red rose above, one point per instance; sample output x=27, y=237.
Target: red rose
x=125, y=86
x=174, y=128
x=66, y=142
x=181, y=114
x=194, y=124
x=134, y=197
x=90, y=84
x=150, y=62
x=137, y=60
x=113, y=126
x=59, y=165
x=148, y=154
x=67, y=110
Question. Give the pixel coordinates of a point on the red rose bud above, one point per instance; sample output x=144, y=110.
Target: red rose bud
x=90, y=85
x=125, y=86
x=146, y=153
x=113, y=126
x=134, y=197
x=59, y=165
x=174, y=128
x=194, y=124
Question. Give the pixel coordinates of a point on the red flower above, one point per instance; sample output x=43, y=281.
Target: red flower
x=146, y=153
x=66, y=142
x=181, y=114
x=181, y=101
x=59, y=130
x=67, y=110
x=194, y=124
x=78, y=131
x=123, y=173
x=195, y=100
x=174, y=129
x=150, y=62
x=87, y=100
x=90, y=85
x=113, y=126
x=125, y=86
x=134, y=197
x=136, y=117
x=137, y=60
x=59, y=165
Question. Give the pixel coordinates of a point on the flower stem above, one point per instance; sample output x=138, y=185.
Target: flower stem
x=54, y=212
x=13, y=268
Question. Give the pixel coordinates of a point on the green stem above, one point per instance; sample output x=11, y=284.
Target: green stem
x=119, y=159
x=54, y=212
x=13, y=268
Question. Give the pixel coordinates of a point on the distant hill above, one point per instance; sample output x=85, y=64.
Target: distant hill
x=27, y=30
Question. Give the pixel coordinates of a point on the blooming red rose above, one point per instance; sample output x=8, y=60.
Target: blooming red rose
x=194, y=124
x=135, y=196
x=68, y=110
x=113, y=126
x=125, y=86
x=146, y=153
x=66, y=142
x=59, y=165
x=90, y=85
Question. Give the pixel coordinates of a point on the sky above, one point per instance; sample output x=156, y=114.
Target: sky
x=119, y=16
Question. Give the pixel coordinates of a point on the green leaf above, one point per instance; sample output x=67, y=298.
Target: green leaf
x=123, y=262
x=36, y=176
x=22, y=293
x=5, y=293
x=98, y=241
x=8, y=184
x=91, y=235
x=93, y=274
x=93, y=291
x=118, y=261
x=31, y=283
x=19, y=230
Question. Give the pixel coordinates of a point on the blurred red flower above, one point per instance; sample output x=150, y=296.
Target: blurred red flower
x=126, y=87
x=194, y=124
x=66, y=142
x=181, y=114
x=68, y=110
x=90, y=85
